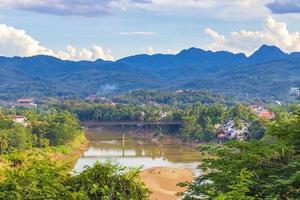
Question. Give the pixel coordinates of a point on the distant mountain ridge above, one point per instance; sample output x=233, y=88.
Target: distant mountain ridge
x=267, y=74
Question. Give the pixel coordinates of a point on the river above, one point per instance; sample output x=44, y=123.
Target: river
x=136, y=151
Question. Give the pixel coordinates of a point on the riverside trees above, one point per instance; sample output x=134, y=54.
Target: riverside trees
x=265, y=169
x=55, y=128
x=43, y=180
x=32, y=175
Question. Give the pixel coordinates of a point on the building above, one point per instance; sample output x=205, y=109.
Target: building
x=228, y=131
x=91, y=98
x=20, y=119
x=262, y=112
x=179, y=91
x=295, y=91
x=163, y=115
x=25, y=103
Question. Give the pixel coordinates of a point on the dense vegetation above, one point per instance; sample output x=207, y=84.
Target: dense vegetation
x=200, y=121
x=30, y=168
x=264, y=169
x=42, y=130
x=270, y=70
x=177, y=99
x=44, y=181
x=265, y=166
x=108, y=112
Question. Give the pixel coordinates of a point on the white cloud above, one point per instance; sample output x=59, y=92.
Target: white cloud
x=151, y=50
x=138, y=33
x=273, y=33
x=173, y=51
x=223, y=9
x=15, y=42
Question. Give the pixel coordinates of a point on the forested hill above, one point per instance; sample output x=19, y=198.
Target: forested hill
x=269, y=74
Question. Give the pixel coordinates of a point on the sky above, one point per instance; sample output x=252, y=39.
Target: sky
x=113, y=29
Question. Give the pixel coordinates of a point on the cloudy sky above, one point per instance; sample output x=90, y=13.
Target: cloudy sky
x=112, y=29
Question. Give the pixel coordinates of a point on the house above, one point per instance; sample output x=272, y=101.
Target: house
x=295, y=91
x=179, y=91
x=228, y=131
x=25, y=103
x=163, y=114
x=267, y=115
x=262, y=112
x=91, y=98
x=113, y=104
x=153, y=103
x=20, y=119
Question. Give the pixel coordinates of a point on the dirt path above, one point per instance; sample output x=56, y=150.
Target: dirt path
x=161, y=181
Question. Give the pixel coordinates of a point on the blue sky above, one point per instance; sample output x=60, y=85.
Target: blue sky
x=112, y=29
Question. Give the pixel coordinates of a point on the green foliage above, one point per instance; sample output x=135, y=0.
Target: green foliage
x=45, y=181
x=42, y=180
x=287, y=128
x=3, y=142
x=109, y=181
x=19, y=137
x=55, y=128
x=267, y=169
x=256, y=130
x=177, y=99
x=201, y=120
x=107, y=112
x=239, y=189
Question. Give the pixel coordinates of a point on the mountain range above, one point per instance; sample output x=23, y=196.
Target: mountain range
x=268, y=73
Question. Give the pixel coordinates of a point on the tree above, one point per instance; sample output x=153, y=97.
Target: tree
x=42, y=180
x=109, y=181
x=3, y=142
x=19, y=137
x=240, y=189
x=256, y=130
x=238, y=123
x=274, y=164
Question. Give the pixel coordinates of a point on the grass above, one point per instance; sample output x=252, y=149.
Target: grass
x=67, y=155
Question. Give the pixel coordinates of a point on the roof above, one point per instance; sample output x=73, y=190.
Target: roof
x=19, y=117
x=24, y=100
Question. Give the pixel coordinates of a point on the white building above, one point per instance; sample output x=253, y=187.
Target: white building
x=228, y=131
x=20, y=119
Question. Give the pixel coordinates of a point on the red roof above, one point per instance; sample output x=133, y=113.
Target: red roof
x=19, y=117
x=267, y=114
x=24, y=100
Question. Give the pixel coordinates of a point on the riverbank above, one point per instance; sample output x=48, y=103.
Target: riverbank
x=67, y=155
x=162, y=181
x=64, y=155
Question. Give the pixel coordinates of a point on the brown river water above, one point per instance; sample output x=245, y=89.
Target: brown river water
x=136, y=152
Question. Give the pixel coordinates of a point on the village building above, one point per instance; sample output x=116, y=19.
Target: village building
x=20, y=119
x=91, y=98
x=25, y=103
x=163, y=115
x=228, y=131
x=179, y=91
x=295, y=91
x=262, y=112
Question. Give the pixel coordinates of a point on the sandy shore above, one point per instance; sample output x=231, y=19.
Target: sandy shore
x=161, y=181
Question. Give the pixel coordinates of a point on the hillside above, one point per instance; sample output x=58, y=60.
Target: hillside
x=269, y=74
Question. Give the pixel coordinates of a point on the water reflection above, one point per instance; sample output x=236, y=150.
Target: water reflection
x=136, y=152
